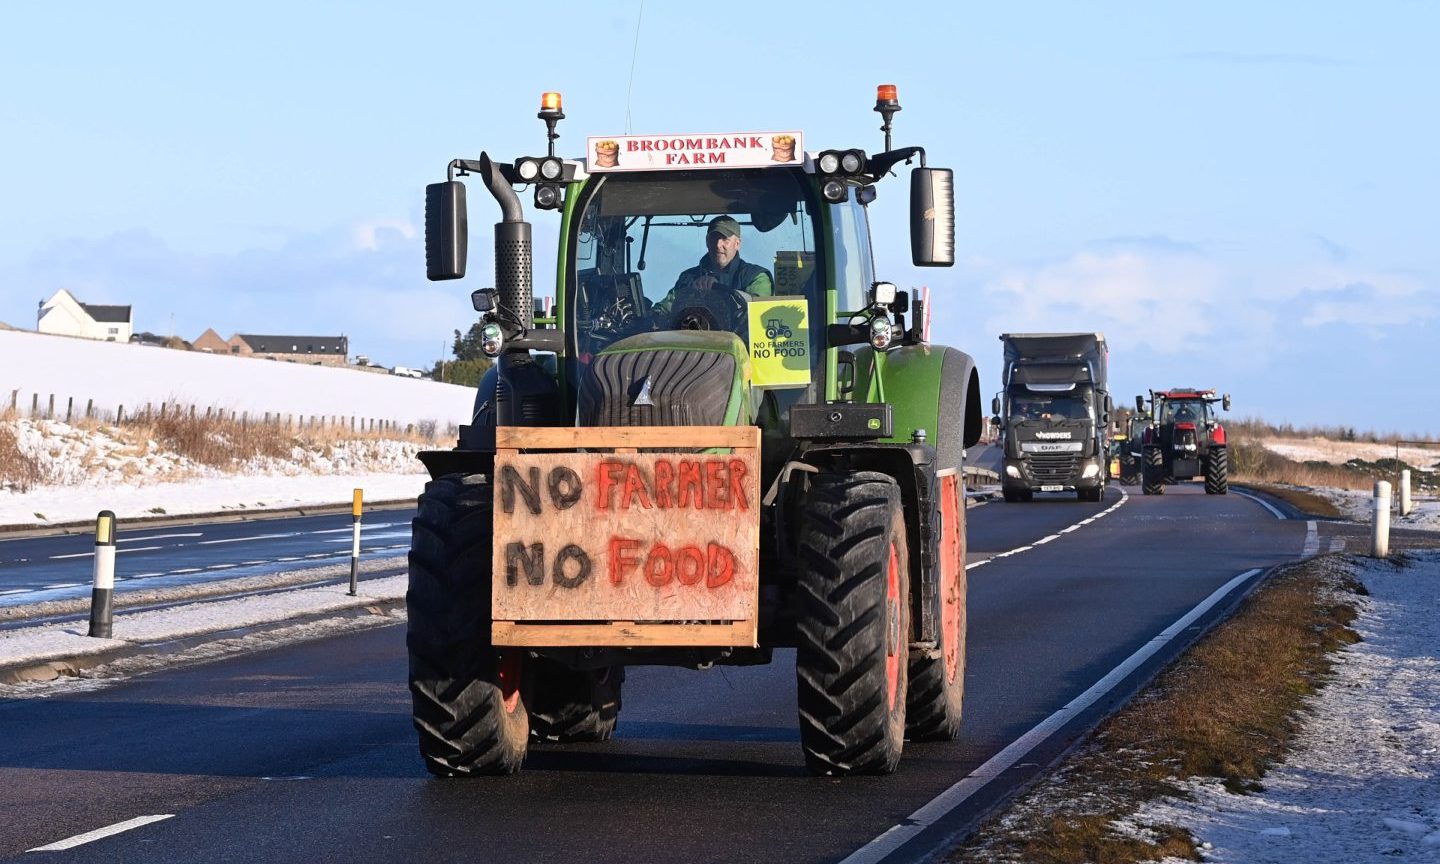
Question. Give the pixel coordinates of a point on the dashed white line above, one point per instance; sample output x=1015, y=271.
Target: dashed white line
x=1337, y=544
x=898, y=835
x=100, y=833
x=244, y=539
x=148, y=537
x=185, y=570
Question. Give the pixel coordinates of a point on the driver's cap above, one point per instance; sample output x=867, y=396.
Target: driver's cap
x=724, y=225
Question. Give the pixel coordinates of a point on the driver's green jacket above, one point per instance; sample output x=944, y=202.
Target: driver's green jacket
x=738, y=275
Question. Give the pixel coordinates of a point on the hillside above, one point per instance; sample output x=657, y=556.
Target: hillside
x=109, y=375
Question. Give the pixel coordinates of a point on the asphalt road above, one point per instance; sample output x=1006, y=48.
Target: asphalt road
x=36, y=568
x=306, y=753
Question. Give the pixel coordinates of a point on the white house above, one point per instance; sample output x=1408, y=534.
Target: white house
x=63, y=315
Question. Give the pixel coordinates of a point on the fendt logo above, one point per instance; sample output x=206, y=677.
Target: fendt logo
x=1052, y=435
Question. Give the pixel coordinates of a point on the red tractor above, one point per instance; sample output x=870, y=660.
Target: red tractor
x=1184, y=440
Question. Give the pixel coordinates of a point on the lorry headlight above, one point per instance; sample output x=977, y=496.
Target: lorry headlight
x=1012, y=471
x=1091, y=470
x=491, y=339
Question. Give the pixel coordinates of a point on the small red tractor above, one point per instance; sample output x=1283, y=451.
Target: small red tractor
x=1184, y=440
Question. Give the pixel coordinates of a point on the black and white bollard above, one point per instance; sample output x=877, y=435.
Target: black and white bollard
x=1380, y=542
x=355, y=543
x=1405, y=505
x=100, y=602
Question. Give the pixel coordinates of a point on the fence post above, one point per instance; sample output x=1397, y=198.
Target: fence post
x=100, y=595
x=355, y=507
x=1405, y=505
x=34, y=405
x=69, y=408
x=50, y=412
x=120, y=415
x=1380, y=542
x=89, y=409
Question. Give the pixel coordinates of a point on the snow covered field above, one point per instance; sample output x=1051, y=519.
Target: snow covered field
x=114, y=374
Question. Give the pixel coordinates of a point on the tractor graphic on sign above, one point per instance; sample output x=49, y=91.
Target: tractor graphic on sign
x=774, y=329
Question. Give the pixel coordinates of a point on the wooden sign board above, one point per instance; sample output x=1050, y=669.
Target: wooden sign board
x=626, y=547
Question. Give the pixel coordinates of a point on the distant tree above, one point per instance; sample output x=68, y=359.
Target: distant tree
x=464, y=372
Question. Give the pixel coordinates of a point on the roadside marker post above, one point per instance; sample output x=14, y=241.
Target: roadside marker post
x=355, y=506
x=1380, y=542
x=1405, y=505
x=101, y=608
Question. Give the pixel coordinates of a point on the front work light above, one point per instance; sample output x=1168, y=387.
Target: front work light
x=527, y=169
x=882, y=333
x=834, y=191
x=852, y=161
x=829, y=162
x=547, y=197
x=491, y=339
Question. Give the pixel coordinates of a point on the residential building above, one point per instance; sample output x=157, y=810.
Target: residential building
x=63, y=315
x=314, y=350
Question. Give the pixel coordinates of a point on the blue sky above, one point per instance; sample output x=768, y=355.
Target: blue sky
x=1239, y=195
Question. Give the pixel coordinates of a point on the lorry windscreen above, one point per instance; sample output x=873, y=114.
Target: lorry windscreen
x=1029, y=405
x=688, y=250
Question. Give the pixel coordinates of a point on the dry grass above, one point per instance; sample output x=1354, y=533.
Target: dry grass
x=1306, y=502
x=18, y=470
x=1227, y=709
x=1253, y=427
x=1253, y=463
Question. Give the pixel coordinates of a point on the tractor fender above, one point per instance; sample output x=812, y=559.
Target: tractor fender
x=914, y=468
x=932, y=387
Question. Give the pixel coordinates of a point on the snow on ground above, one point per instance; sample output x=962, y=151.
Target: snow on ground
x=58, y=505
x=112, y=374
x=1340, y=452
x=1359, y=506
x=1363, y=783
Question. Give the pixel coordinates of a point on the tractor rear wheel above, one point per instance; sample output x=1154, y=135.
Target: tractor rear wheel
x=1217, y=472
x=571, y=705
x=1153, y=472
x=936, y=691
x=854, y=624
x=465, y=692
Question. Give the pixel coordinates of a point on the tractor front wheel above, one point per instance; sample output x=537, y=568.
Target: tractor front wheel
x=1152, y=472
x=572, y=705
x=1217, y=472
x=853, y=638
x=465, y=692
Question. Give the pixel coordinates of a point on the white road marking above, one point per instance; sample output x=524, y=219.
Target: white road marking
x=1337, y=544
x=100, y=833
x=1312, y=540
x=941, y=805
x=156, y=537
x=62, y=585
x=1262, y=502
x=184, y=570
x=1042, y=541
x=245, y=539
x=16, y=591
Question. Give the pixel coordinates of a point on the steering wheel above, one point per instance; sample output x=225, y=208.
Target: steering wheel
x=712, y=308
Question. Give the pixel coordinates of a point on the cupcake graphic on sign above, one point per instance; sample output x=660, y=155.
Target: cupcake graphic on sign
x=782, y=148
x=607, y=154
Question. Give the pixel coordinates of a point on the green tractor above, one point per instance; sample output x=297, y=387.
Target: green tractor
x=695, y=464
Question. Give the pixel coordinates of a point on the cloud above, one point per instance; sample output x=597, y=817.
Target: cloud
x=1368, y=303
x=1334, y=251
x=1263, y=58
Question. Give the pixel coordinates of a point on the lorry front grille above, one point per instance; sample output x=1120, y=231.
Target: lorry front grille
x=1053, y=468
x=680, y=388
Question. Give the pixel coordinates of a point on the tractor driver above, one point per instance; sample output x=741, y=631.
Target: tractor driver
x=721, y=268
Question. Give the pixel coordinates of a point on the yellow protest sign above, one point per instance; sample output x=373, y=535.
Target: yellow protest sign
x=779, y=342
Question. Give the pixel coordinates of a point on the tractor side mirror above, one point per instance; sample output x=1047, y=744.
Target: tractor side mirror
x=1140, y=404
x=995, y=405
x=999, y=424
x=446, y=232
x=1226, y=402
x=932, y=217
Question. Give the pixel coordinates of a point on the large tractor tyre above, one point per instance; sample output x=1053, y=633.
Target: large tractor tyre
x=1129, y=470
x=1217, y=472
x=936, y=691
x=854, y=624
x=572, y=705
x=465, y=692
x=1153, y=472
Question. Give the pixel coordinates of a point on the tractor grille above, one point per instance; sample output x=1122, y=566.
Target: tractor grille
x=1053, y=468
x=687, y=388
